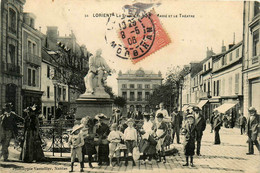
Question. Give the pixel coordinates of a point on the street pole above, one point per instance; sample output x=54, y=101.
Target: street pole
x=55, y=98
x=181, y=101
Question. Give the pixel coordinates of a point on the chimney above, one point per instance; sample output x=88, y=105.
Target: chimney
x=209, y=52
x=52, y=33
x=223, y=48
x=230, y=46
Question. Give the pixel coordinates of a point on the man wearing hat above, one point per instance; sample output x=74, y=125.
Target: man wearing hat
x=8, y=119
x=189, y=140
x=163, y=111
x=102, y=130
x=252, y=130
x=216, y=126
x=176, y=124
x=200, y=125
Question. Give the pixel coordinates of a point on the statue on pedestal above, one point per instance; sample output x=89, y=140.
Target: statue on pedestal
x=97, y=74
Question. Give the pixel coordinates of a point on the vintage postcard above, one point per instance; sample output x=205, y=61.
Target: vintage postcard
x=129, y=86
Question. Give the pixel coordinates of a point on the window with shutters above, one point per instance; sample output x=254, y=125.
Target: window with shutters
x=124, y=95
x=230, y=56
x=223, y=87
x=237, y=53
x=230, y=86
x=33, y=78
x=132, y=85
x=256, y=49
x=48, y=92
x=147, y=96
x=29, y=76
x=64, y=93
x=139, y=96
x=48, y=71
x=237, y=83
x=218, y=88
x=139, y=86
x=214, y=88
x=132, y=96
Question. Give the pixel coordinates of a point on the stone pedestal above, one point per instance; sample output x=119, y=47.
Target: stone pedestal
x=92, y=104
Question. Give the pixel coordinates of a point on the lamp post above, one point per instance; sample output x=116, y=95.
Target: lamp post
x=181, y=85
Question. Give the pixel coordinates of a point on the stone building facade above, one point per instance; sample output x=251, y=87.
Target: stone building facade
x=136, y=86
x=11, y=53
x=251, y=54
x=31, y=55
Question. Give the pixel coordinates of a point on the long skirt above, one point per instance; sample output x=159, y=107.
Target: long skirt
x=189, y=147
x=31, y=149
x=103, y=152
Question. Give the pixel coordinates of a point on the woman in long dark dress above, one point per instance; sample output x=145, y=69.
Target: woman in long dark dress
x=31, y=148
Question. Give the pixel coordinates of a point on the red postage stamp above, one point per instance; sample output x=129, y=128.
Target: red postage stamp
x=143, y=37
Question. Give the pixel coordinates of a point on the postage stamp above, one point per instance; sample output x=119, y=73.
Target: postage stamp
x=143, y=37
x=139, y=36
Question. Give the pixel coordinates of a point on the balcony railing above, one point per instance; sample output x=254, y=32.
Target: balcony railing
x=33, y=59
x=11, y=69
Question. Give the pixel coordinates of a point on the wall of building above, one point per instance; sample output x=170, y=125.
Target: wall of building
x=251, y=75
x=10, y=78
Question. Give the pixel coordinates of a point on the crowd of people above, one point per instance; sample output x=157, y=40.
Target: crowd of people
x=150, y=135
x=106, y=138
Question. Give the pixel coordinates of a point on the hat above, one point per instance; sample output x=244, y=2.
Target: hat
x=114, y=126
x=130, y=120
x=196, y=108
x=100, y=116
x=251, y=109
x=76, y=127
x=159, y=115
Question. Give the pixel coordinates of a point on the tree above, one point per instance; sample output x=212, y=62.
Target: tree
x=168, y=92
x=108, y=90
x=120, y=101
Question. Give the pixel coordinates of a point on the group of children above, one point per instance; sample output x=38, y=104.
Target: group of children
x=124, y=137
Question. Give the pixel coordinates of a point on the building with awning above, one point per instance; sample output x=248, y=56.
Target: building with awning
x=202, y=103
x=225, y=107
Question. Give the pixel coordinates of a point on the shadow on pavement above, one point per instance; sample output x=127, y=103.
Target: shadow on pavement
x=220, y=157
x=10, y=166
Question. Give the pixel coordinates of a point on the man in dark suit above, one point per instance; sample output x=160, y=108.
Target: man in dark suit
x=200, y=125
x=8, y=122
x=242, y=123
x=216, y=126
x=252, y=130
x=176, y=125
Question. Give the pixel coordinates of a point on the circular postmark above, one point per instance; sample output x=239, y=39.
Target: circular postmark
x=131, y=37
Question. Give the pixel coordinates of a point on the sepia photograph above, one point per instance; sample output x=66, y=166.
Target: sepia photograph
x=129, y=86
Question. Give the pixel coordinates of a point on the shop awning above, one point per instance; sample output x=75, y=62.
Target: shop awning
x=225, y=107
x=202, y=103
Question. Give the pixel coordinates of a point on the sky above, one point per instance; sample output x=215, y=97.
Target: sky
x=213, y=22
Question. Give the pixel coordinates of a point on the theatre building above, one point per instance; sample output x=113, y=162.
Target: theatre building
x=136, y=86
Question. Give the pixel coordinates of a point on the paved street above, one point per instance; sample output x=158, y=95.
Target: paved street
x=228, y=157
